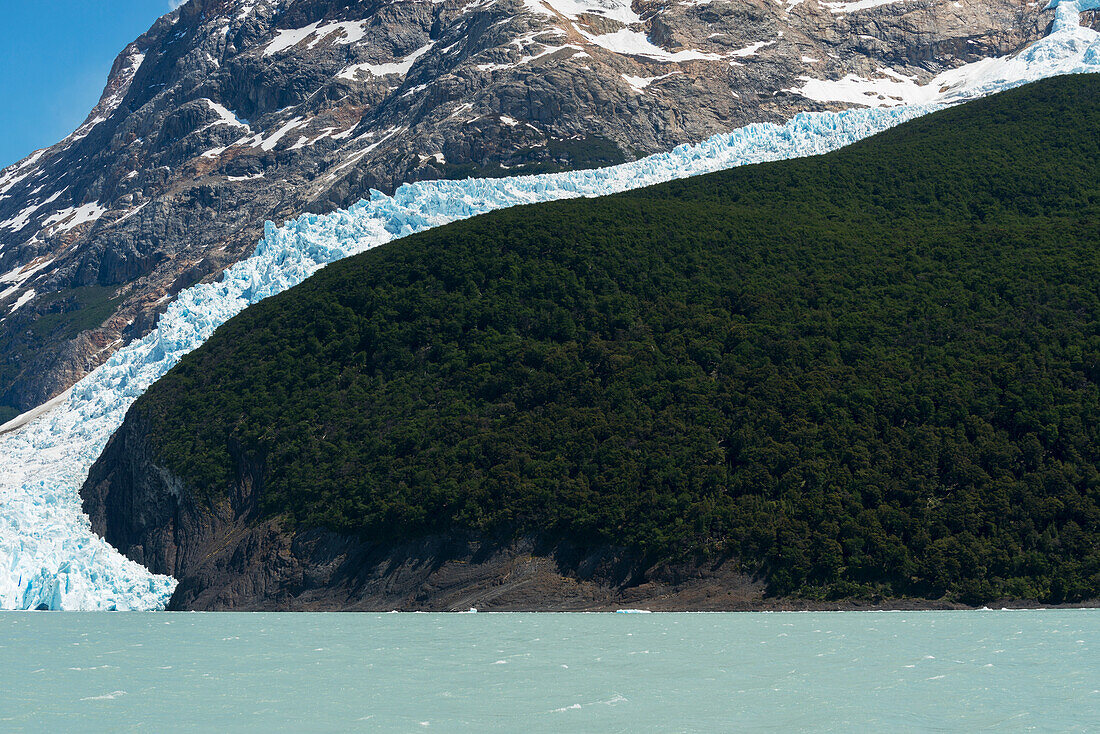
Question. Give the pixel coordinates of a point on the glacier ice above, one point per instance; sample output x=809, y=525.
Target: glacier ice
x=50, y=558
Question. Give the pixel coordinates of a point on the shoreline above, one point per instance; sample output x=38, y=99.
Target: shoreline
x=1091, y=606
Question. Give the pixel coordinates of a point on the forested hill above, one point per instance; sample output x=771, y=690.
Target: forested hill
x=875, y=372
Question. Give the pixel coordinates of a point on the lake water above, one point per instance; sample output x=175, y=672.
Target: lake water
x=863, y=671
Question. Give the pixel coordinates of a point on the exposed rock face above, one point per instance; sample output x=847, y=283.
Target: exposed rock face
x=229, y=112
x=226, y=557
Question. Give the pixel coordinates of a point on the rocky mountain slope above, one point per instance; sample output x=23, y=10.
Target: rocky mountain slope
x=873, y=373
x=227, y=113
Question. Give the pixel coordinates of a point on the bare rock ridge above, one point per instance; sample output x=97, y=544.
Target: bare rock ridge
x=227, y=113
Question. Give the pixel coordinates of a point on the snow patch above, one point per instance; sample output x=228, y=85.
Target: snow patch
x=269, y=143
x=265, y=142
x=577, y=52
x=573, y=9
x=634, y=43
x=752, y=49
x=358, y=155
x=23, y=300
x=401, y=67
x=73, y=216
x=225, y=117
x=639, y=83
x=1069, y=49
x=350, y=32
x=21, y=275
x=23, y=218
x=130, y=213
x=12, y=175
x=852, y=7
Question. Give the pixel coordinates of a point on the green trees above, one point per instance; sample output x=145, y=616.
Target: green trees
x=876, y=371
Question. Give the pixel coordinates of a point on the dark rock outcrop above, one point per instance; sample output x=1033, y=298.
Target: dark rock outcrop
x=227, y=113
x=227, y=557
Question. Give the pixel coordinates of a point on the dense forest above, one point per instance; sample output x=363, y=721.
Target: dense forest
x=875, y=372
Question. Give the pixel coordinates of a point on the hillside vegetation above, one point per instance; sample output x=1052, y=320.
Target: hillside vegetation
x=872, y=372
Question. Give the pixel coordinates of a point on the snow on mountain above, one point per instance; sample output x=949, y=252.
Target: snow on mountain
x=49, y=557
x=1070, y=48
x=401, y=67
x=227, y=113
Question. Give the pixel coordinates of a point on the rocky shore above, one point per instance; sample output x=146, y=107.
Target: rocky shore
x=226, y=558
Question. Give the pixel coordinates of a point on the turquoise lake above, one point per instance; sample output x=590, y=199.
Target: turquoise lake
x=844, y=671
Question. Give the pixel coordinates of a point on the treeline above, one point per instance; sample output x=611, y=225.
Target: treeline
x=875, y=372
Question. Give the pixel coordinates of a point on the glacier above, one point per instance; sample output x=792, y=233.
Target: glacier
x=49, y=556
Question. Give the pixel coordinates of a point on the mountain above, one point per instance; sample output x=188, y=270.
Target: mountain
x=227, y=113
x=55, y=561
x=870, y=374
x=50, y=558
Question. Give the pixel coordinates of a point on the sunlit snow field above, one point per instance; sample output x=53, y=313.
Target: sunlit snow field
x=49, y=558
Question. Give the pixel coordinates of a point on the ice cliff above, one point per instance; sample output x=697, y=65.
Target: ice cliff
x=49, y=557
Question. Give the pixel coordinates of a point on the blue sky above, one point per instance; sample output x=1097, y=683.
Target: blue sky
x=54, y=60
